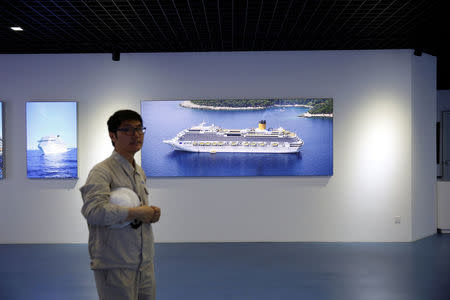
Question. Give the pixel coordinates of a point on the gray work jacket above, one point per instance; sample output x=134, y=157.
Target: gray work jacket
x=115, y=247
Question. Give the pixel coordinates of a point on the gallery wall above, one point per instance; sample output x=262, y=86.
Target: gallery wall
x=443, y=104
x=377, y=158
x=423, y=85
x=443, y=187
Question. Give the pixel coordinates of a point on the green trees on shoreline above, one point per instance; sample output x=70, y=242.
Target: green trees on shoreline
x=319, y=105
x=325, y=107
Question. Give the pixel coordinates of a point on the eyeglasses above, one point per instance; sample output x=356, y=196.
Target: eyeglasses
x=132, y=130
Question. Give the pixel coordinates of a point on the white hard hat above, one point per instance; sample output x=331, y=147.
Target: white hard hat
x=124, y=197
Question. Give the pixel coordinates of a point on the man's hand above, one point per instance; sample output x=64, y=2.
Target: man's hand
x=144, y=214
x=156, y=215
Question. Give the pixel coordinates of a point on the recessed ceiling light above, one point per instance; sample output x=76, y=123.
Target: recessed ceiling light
x=17, y=28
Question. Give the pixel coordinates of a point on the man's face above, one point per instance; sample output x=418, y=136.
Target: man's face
x=126, y=143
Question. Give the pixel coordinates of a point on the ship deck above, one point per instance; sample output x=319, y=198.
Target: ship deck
x=222, y=138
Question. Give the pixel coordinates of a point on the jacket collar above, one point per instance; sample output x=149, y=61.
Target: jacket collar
x=129, y=169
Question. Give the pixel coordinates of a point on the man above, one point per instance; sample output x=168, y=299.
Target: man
x=121, y=258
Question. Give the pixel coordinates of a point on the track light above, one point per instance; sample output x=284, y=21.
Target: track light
x=116, y=55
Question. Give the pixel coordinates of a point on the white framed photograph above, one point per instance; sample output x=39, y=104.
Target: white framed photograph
x=238, y=137
x=52, y=139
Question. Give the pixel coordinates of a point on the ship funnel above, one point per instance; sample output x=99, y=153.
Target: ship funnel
x=262, y=124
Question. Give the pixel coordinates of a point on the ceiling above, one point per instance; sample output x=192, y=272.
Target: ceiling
x=99, y=26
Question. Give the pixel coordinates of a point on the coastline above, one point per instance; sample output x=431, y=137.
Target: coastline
x=308, y=115
x=189, y=104
x=292, y=105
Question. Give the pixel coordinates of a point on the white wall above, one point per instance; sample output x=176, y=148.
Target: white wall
x=443, y=104
x=423, y=146
x=374, y=148
x=443, y=187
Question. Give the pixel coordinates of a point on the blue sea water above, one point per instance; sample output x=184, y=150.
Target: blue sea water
x=52, y=166
x=164, y=119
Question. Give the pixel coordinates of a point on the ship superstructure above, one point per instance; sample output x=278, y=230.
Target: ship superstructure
x=203, y=138
x=52, y=145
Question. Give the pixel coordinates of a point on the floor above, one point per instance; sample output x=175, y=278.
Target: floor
x=360, y=271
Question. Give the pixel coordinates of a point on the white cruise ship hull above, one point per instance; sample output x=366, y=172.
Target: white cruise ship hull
x=238, y=148
x=52, y=145
x=254, y=140
x=52, y=148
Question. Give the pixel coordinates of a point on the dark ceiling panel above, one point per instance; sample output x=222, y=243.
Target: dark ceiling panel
x=99, y=26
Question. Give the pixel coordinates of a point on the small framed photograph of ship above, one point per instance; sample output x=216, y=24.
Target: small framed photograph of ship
x=52, y=139
x=1, y=142
x=238, y=137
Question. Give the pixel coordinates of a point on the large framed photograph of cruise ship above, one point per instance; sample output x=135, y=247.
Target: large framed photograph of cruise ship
x=1, y=141
x=238, y=137
x=52, y=139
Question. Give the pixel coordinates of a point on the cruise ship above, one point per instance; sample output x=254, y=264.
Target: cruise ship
x=52, y=145
x=204, y=138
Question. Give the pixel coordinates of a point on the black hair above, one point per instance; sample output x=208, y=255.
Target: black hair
x=120, y=116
